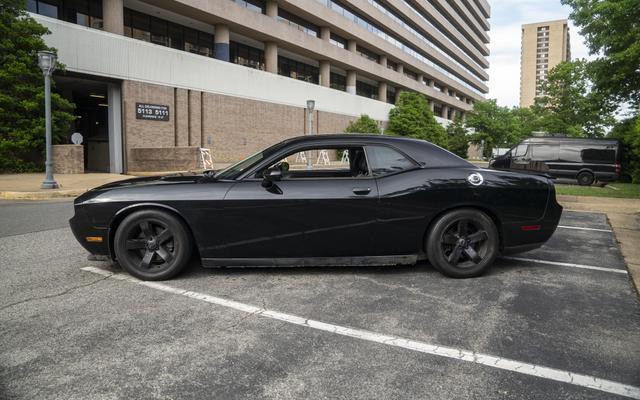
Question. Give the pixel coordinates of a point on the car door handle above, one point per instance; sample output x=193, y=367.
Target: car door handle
x=361, y=191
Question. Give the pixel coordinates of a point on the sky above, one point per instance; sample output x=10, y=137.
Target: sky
x=507, y=16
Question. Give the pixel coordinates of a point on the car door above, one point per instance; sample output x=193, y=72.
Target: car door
x=310, y=212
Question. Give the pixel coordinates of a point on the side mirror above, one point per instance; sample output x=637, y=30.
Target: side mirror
x=271, y=175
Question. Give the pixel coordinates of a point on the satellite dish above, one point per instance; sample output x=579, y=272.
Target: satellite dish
x=76, y=138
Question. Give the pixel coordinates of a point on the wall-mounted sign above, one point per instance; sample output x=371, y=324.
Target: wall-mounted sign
x=154, y=112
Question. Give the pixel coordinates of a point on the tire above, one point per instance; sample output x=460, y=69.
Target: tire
x=152, y=245
x=585, y=178
x=462, y=243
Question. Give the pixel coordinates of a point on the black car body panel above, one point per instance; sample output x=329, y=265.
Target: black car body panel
x=564, y=157
x=379, y=220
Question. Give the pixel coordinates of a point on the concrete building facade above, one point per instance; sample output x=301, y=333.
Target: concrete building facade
x=155, y=80
x=544, y=45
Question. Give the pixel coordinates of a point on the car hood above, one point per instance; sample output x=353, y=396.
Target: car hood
x=153, y=180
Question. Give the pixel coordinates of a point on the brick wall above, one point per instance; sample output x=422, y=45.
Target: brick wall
x=68, y=159
x=231, y=127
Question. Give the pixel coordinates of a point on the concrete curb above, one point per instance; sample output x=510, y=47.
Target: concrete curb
x=55, y=194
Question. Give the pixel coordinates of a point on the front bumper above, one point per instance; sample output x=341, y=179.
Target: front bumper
x=83, y=229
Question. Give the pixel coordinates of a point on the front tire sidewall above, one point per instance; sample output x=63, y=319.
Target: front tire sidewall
x=436, y=255
x=182, y=245
x=585, y=179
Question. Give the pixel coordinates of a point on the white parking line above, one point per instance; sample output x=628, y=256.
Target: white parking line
x=396, y=341
x=563, y=264
x=580, y=228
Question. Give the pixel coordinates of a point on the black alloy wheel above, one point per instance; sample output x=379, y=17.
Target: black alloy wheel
x=152, y=245
x=585, y=178
x=462, y=243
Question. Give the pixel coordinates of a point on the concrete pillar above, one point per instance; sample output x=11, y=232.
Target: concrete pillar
x=421, y=79
x=272, y=8
x=432, y=105
x=382, y=91
x=325, y=73
x=463, y=116
x=432, y=83
x=325, y=33
x=351, y=82
x=383, y=60
x=400, y=69
x=351, y=45
x=445, y=112
x=221, y=39
x=271, y=57
x=114, y=116
x=113, y=16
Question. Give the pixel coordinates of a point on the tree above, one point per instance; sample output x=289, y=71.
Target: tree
x=458, y=142
x=413, y=117
x=628, y=132
x=364, y=124
x=569, y=106
x=495, y=125
x=612, y=31
x=22, y=91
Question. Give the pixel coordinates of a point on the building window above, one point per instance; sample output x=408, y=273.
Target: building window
x=155, y=30
x=368, y=54
x=437, y=109
x=248, y=56
x=338, y=41
x=338, y=82
x=258, y=6
x=297, y=22
x=410, y=74
x=81, y=12
x=391, y=95
x=366, y=90
x=392, y=65
x=297, y=70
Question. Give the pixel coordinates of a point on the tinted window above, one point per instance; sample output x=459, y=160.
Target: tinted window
x=520, y=150
x=544, y=152
x=384, y=160
x=599, y=155
x=323, y=162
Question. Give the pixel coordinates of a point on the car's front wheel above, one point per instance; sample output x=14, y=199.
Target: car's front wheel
x=152, y=245
x=462, y=243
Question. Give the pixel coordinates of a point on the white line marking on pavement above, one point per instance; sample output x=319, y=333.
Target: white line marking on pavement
x=396, y=341
x=563, y=264
x=584, y=229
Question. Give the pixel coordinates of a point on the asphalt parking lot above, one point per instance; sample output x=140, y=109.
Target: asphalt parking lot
x=559, y=322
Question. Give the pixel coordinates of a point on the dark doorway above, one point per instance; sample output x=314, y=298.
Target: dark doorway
x=92, y=112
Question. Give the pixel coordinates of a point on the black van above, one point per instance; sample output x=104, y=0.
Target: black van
x=585, y=160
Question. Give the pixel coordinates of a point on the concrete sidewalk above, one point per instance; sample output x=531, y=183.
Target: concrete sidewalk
x=27, y=186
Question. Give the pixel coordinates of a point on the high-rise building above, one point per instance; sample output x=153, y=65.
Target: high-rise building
x=155, y=79
x=544, y=45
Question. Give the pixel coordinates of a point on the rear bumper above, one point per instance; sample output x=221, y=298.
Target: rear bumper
x=524, y=236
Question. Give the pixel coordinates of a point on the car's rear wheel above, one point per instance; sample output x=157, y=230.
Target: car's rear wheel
x=462, y=243
x=585, y=178
x=152, y=245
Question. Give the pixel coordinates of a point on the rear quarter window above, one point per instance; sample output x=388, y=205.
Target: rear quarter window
x=385, y=160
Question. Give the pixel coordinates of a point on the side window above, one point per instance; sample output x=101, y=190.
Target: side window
x=335, y=162
x=384, y=160
x=520, y=150
x=545, y=152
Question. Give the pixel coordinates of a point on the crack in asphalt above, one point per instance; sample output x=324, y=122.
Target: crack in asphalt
x=67, y=291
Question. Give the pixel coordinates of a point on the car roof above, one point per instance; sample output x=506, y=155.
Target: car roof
x=420, y=150
x=535, y=140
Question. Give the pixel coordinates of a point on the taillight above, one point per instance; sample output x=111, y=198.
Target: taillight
x=618, y=168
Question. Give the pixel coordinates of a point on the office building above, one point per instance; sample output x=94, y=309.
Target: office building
x=544, y=45
x=155, y=80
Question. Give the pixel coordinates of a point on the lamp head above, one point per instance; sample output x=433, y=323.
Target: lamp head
x=47, y=62
x=310, y=105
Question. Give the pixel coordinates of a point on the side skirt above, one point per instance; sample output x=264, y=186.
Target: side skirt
x=310, y=261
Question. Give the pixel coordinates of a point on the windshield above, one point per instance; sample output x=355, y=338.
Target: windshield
x=235, y=170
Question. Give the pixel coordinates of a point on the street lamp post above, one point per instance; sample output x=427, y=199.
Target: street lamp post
x=310, y=106
x=47, y=63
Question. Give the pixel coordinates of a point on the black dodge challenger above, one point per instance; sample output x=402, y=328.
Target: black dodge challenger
x=321, y=200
